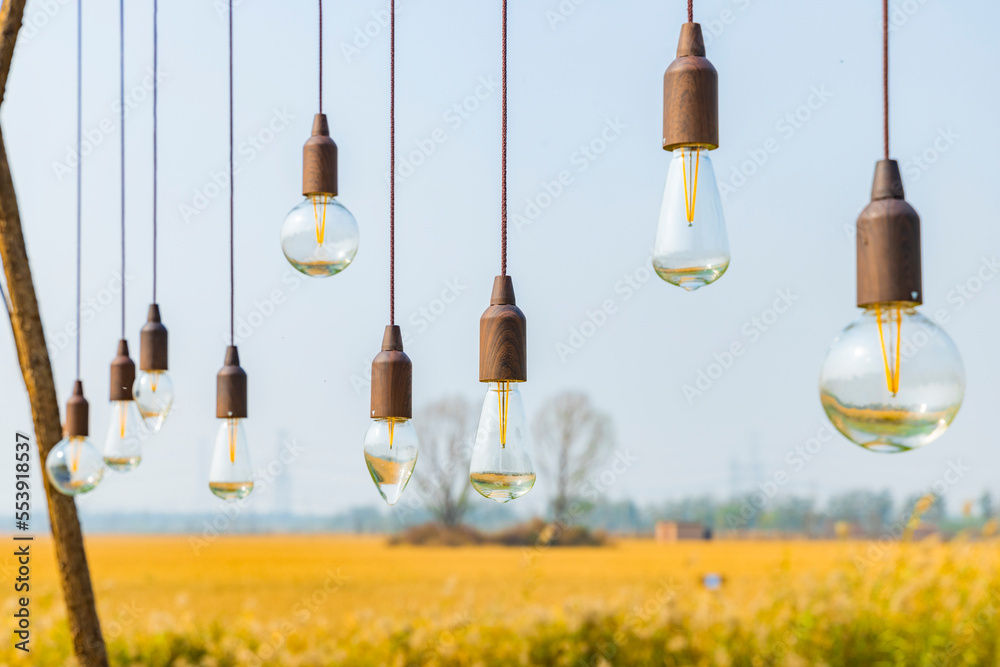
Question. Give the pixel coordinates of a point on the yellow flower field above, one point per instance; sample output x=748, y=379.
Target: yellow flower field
x=329, y=600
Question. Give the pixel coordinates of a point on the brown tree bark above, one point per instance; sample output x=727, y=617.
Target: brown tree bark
x=33, y=356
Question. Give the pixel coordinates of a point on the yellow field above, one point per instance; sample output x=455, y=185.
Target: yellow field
x=345, y=600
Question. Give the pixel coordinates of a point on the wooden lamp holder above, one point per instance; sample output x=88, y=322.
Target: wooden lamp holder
x=392, y=379
x=319, y=161
x=503, y=354
x=122, y=374
x=231, y=388
x=690, y=95
x=888, y=243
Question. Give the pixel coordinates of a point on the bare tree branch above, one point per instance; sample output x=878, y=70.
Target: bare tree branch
x=573, y=439
x=445, y=429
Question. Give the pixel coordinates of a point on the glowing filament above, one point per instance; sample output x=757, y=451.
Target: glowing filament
x=392, y=423
x=891, y=365
x=693, y=163
x=232, y=440
x=156, y=378
x=122, y=418
x=503, y=396
x=77, y=449
x=320, y=219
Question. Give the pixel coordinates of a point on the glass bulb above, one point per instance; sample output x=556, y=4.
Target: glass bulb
x=319, y=237
x=691, y=248
x=154, y=394
x=74, y=466
x=501, y=467
x=126, y=431
x=391, y=453
x=231, y=477
x=893, y=380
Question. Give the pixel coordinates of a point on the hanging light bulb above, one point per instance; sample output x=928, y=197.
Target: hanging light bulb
x=319, y=236
x=691, y=248
x=391, y=441
x=893, y=380
x=126, y=427
x=153, y=389
x=502, y=467
x=231, y=475
x=73, y=465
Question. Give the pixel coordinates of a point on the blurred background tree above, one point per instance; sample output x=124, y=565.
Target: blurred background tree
x=572, y=439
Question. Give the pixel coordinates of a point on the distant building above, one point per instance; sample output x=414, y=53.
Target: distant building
x=673, y=531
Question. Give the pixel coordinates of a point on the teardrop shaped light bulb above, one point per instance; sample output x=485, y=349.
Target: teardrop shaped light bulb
x=319, y=236
x=390, y=454
x=154, y=395
x=231, y=476
x=126, y=431
x=74, y=466
x=893, y=380
x=691, y=249
x=502, y=467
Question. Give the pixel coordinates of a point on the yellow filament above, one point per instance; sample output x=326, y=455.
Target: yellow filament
x=76, y=455
x=891, y=369
x=899, y=346
x=122, y=418
x=232, y=441
x=503, y=396
x=320, y=223
x=689, y=198
x=156, y=378
x=391, y=429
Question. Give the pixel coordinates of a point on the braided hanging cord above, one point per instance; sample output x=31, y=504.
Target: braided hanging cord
x=885, y=77
x=321, y=56
x=121, y=83
x=503, y=150
x=79, y=170
x=392, y=162
x=232, y=254
x=690, y=11
x=156, y=76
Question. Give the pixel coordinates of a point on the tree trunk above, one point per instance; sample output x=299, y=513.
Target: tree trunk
x=33, y=356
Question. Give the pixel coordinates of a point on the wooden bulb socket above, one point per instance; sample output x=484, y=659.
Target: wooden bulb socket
x=153, y=342
x=319, y=161
x=122, y=374
x=231, y=388
x=888, y=243
x=77, y=413
x=690, y=95
x=503, y=350
x=392, y=379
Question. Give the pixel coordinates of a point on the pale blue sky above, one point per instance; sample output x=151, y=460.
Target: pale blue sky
x=594, y=77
